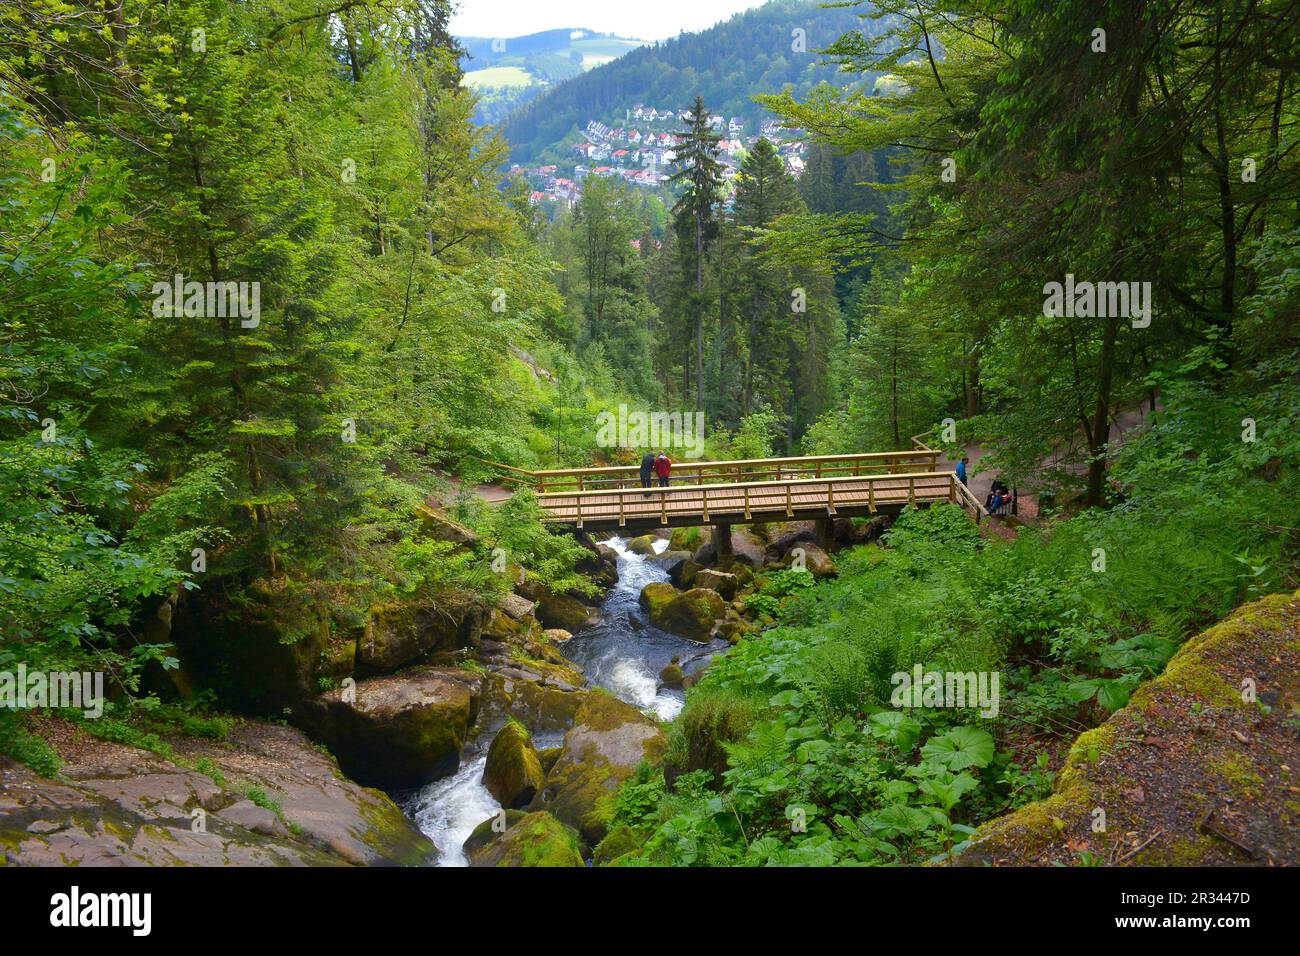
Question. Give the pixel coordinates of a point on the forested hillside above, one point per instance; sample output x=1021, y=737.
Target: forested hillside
x=306, y=442
x=759, y=51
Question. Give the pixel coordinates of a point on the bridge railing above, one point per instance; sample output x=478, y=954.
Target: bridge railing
x=737, y=471
x=742, y=501
x=965, y=497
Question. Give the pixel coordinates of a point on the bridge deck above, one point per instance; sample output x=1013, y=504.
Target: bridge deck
x=611, y=499
x=804, y=499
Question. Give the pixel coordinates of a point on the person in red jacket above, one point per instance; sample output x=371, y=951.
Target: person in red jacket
x=662, y=467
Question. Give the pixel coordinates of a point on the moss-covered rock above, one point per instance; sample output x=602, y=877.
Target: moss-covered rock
x=644, y=544
x=815, y=560
x=720, y=581
x=398, y=731
x=691, y=614
x=682, y=574
x=563, y=611
x=547, y=757
x=489, y=830
x=402, y=633
x=620, y=842
x=440, y=526
x=537, y=839
x=672, y=675
x=685, y=539
x=1186, y=746
x=607, y=742
x=513, y=774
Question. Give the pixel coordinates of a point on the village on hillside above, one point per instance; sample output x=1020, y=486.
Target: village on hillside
x=641, y=151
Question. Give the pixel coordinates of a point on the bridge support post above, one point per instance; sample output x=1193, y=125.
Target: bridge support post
x=825, y=533
x=722, y=540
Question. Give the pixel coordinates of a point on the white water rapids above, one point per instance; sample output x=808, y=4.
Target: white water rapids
x=623, y=653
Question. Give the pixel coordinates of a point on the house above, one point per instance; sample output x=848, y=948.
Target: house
x=736, y=125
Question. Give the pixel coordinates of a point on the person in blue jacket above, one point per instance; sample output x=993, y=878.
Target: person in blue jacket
x=961, y=471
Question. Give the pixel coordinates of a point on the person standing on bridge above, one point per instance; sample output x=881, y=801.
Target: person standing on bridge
x=962, y=467
x=662, y=468
x=647, y=468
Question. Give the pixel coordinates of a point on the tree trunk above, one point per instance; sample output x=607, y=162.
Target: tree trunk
x=1100, y=432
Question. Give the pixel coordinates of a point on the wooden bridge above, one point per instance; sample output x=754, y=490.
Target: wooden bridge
x=723, y=493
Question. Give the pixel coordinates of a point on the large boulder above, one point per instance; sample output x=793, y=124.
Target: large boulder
x=564, y=611
x=748, y=547
x=517, y=606
x=816, y=560
x=437, y=525
x=512, y=774
x=402, y=633
x=720, y=581
x=265, y=797
x=536, y=839
x=540, y=698
x=691, y=614
x=686, y=539
x=782, y=535
x=607, y=742
x=398, y=731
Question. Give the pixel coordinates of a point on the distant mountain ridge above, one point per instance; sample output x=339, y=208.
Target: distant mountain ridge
x=509, y=71
x=758, y=51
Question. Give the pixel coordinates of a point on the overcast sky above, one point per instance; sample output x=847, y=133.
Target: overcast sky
x=642, y=19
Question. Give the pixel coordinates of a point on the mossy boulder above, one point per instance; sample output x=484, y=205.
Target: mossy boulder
x=643, y=545
x=683, y=574
x=540, y=703
x=536, y=839
x=720, y=581
x=563, y=611
x=513, y=774
x=489, y=830
x=398, y=731
x=748, y=547
x=690, y=614
x=439, y=526
x=607, y=742
x=686, y=539
x=402, y=633
x=547, y=757
x=1190, y=772
x=672, y=675
x=619, y=843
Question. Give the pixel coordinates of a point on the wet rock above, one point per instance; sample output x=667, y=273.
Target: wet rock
x=489, y=830
x=683, y=575
x=557, y=635
x=690, y=614
x=672, y=675
x=536, y=839
x=513, y=774
x=643, y=545
x=400, y=731
x=607, y=742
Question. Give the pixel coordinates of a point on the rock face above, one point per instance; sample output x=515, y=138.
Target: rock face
x=401, y=731
x=603, y=748
x=690, y=614
x=119, y=806
x=683, y=574
x=513, y=774
x=1189, y=773
x=536, y=839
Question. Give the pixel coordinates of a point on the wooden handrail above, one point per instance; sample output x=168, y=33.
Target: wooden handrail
x=884, y=457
